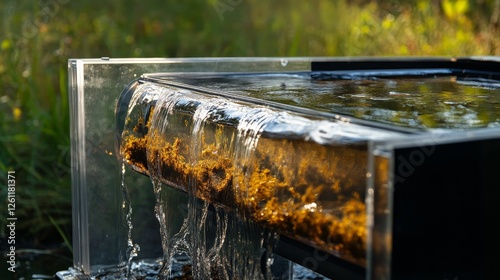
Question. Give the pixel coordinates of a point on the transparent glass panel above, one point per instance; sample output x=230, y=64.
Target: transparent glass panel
x=380, y=191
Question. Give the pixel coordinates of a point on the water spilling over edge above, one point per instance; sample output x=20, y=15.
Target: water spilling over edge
x=161, y=118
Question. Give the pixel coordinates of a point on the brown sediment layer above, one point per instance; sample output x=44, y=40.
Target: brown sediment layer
x=134, y=152
x=211, y=173
x=281, y=194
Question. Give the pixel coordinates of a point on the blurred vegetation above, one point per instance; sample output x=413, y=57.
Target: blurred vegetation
x=38, y=37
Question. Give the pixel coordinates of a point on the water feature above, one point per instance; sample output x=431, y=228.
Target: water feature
x=248, y=168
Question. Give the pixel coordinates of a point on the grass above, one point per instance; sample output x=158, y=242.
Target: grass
x=37, y=38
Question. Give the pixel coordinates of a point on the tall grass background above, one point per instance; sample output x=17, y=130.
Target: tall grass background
x=38, y=37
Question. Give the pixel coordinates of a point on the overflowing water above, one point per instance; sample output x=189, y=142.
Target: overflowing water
x=244, y=173
x=241, y=191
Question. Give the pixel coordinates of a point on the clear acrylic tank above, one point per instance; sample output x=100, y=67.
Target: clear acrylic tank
x=356, y=168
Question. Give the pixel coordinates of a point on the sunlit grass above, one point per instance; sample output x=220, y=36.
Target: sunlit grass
x=34, y=118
